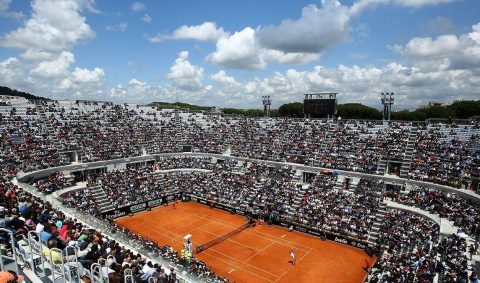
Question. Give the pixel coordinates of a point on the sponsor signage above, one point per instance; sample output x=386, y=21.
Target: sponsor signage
x=154, y=203
x=117, y=213
x=138, y=207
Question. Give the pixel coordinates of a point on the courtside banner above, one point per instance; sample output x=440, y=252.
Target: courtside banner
x=328, y=235
x=123, y=211
x=212, y=203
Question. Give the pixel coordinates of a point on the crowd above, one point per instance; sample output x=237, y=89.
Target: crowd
x=463, y=212
x=442, y=157
x=21, y=212
x=339, y=210
x=411, y=253
x=106, y=131
x=53, y=182
x=103, y=130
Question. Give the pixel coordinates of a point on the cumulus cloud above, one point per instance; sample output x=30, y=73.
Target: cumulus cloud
x=82, y=78
x=208, y=31
x=316, y=29
x=118, y=27
x=56, y=67
x=47, y=38
x=184, y=75
x=240, y=50
x=138, y=6
x=54, y=26
x=459, y=52
x=12, y=71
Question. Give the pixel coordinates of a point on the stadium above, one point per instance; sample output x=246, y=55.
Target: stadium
x=306, y=141
x=124, y=192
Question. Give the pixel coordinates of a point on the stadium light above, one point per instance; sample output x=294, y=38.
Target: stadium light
x=387, y=101
x=266, y=105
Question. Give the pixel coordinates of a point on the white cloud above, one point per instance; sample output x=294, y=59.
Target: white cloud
x=420, y=3
x=146, y=18
x=222, y=77
x=292, y=42
x=47, y=38
x=12, y=71
x=4, y=11
x=315, y=30
x=426, y=47
x=37, y=55
x=56, y=67
x=290, y=58
x=138, y=6
x=118, y=27
x=184, y=75
x=240, y=50
x=83, y=79
x=361, y=5
x=54, y=26
x=208, y=31
x=459, y=52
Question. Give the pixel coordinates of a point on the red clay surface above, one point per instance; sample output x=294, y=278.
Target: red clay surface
x=257, y=254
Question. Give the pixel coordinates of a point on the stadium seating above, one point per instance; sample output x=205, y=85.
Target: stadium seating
x=48, y=134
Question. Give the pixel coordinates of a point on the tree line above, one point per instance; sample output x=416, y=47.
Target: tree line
x=464, y=109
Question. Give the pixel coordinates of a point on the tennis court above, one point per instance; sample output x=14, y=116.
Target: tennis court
x=257, y=254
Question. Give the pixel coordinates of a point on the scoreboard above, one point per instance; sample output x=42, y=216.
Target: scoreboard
x=320, y=105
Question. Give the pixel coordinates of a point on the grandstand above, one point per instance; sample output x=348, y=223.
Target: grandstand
x=405, y=194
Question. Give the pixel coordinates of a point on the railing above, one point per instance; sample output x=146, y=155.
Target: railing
x=13, y=257
x=119, y=236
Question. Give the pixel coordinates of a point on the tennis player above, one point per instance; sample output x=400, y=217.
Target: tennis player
x=293, y=259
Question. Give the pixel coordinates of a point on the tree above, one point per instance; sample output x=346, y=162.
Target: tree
x=465, y=109
x=294, y=109
x=357, y=111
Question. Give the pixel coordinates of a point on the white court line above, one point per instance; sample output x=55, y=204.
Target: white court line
x=230, y=239
x=307, y=248
x=236, y=266
x=292, y=266
x=258, y=252
x=236, y=259
x=290, y=243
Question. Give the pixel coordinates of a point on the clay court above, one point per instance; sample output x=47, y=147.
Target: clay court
x=257, y=254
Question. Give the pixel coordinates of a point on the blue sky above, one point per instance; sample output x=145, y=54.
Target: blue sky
x=230, y=53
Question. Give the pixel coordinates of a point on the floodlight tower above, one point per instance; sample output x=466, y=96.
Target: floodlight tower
x=266, y=105
x=387, y=101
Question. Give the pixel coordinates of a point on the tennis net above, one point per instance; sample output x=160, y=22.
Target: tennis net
x=222, y=238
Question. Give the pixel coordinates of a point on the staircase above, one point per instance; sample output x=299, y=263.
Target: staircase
x=381, y=167
x=374, y=233
x=101, y=199
x=178, y=126
x=253, y=192
x=51, y=132
x=326, y=143
x=408, y=156
x=301, y=189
